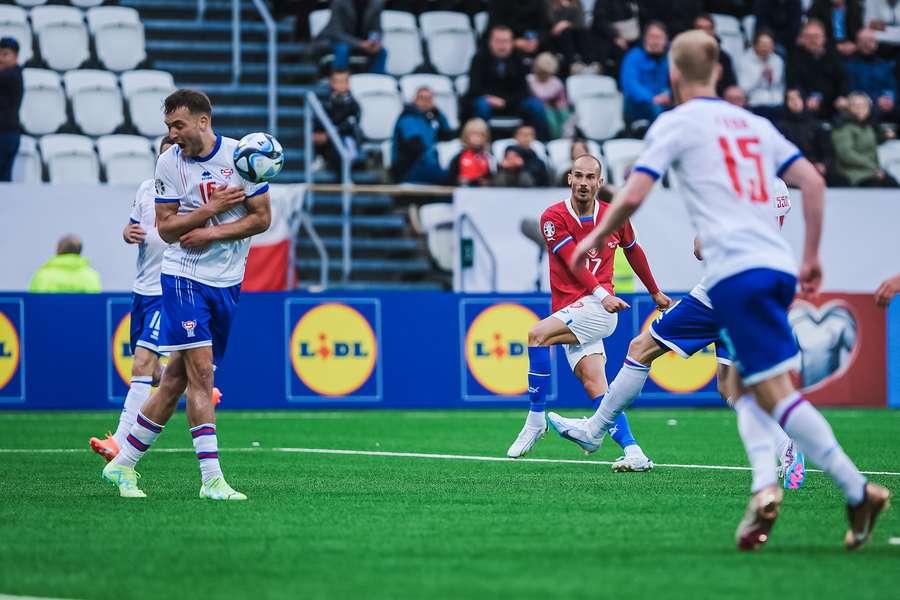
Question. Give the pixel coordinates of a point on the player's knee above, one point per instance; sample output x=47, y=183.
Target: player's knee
x=144, y=364
x=642, y=349
x=536, y=338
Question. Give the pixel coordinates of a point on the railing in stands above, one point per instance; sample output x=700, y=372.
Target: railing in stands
x=303, y=218
x=272, y=60
x=201, y=10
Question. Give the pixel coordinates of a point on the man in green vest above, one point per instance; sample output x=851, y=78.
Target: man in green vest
x=66, y=273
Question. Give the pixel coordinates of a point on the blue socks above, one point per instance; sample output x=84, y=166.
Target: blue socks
x=538, y=376
x=621, y=432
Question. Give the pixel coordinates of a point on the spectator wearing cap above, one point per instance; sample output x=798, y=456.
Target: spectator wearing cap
x=11, y=89
x=645, y=76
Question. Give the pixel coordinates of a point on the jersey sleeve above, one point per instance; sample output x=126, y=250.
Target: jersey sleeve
x=627, y=236
x=169, y=182
x=135, y=217
x=254, y=189
x=662, y=145
x=784, y=153
x=555, y=233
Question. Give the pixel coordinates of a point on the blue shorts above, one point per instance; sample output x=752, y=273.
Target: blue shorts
x=751, y=308
x=195, y=314
x=145, y=313
x=687, y=328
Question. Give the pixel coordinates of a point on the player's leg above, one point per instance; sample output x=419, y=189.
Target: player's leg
x=549, y=332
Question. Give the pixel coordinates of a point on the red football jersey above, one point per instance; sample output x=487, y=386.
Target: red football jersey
x=562, y=230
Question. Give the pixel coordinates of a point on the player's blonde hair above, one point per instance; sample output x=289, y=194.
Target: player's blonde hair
x=695, y=54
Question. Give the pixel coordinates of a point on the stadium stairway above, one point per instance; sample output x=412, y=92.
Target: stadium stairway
x=386, y=252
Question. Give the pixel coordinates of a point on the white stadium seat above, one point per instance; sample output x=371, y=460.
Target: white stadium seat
x=447, y=151
x=400, y=38
x=86, y=3
x=96, y=100
x=889, y=158
x=118, y=36
x=600, y=117
x=145, y=92
x=581, y=86
x=62, y=36
x=44, y=103
x=749, y=26
x=620, y=156
x=461, y=84
x=451, y=42
x=27, y=166
x=14, y=24
x=30, y=3
x=70, y=159
x=560, y=153
x=127, y=159
x=728, y=29
x=437, y=221
x=379, y=102
x=318, y=19
x=441, y=86
x=498, y=148
x=481, y=22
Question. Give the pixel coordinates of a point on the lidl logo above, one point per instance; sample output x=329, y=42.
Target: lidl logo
x=12, y=386
x=333, y=349
x=123, y=357
x=495, y=347
x=682, y=375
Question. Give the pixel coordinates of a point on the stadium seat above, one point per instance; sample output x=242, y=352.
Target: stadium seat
x=118, y=36
x=600, y=116
x=318, y=19
x=86, y=3
x=481, y=22
x=749, y=26
x=581, y=86
x=14, y=23
x=70, y=159
x=436, y=220
x=728, y=28
x=44, y=103
x=30, y=3
x=461, y=84
x=127, y=159
x=96, y=101
x=441, y=86
x=400, y=38
x=145, y=92
x=451, y=43
x=620, y=156
x=560, y=154
x=27, y=166
x=498, y=148
x=62, y=36
x=379, y=102
x=889, y=158
x=447, y=151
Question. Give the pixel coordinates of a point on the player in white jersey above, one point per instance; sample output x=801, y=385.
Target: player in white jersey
x=725, y=157
x=206, y=213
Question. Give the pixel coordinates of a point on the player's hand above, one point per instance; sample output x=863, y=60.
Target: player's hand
x=225, y=197
x=662, y=301
x=698, y=250
x=200, y=237
x=614, y=304
x=810, y=275
x=887, y=290
x=134, y=234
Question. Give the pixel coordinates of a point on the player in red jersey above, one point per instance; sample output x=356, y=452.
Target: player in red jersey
x=584, y=307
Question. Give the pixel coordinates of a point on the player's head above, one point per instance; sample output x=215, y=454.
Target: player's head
x=165, y=144
x=188, y=115
x=585, y=178
x=69, y=244
x=693, y=62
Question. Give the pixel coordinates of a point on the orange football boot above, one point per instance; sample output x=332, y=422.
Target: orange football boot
x=216, y=396
x=107, y=448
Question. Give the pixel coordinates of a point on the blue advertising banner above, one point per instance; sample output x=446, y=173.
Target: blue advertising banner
x=893, y=353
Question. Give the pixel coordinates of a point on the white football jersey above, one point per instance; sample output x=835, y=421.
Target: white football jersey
x=150, y=253
x=725, y=158
x=190, y=182
x=782, y=206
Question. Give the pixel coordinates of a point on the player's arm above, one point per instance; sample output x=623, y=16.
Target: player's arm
x=641, y=267
x=172, y=226
x=802, y=174
x=257, y=220
x=579, y=270
x=134, y=233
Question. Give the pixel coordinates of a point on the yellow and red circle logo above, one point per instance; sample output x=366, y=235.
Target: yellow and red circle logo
x=9, y=350
x=123, y=358
x=496, y=348
x=682, y=375
x=333, y=349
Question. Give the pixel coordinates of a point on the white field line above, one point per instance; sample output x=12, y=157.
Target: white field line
x=377, y=453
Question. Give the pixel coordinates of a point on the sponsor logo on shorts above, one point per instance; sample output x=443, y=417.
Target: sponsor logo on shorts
x=496, y=348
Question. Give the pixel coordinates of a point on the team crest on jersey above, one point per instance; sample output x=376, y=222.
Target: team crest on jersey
x=227, y=172
x=612, y=244
x=160, y=187
x=189, y=327
x=549, y=230
x=592, y=252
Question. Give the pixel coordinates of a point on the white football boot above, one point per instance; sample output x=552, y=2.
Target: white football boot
x=526, y=439
x=636, y=462
x=576, y=430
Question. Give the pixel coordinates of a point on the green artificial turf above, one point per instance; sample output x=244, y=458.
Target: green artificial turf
x=348, y=526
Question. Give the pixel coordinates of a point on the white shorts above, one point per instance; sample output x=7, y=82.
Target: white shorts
x=590, y=323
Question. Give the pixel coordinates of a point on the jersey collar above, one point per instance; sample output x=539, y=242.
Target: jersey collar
x=578, y=219
x=213, y=152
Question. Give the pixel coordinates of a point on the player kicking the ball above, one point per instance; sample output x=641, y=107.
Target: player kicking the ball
x=207, y=213
x=685, y=329
x=726, y=157
x=584, y=307
x=146, y=300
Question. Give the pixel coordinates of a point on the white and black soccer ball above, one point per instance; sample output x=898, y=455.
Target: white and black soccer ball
x=258, y=157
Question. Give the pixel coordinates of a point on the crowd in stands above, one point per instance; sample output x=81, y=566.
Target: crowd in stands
x=824, y=71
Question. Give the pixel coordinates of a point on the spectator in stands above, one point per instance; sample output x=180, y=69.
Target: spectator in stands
x=782, y=18
x=549, y=89
x=645, y=76
x=614, y=28
x=869, y=73
x=818, y=70
x=420, y=127
x=578, y=148
x=678, y=15
x=811, y=136
x=66, y=273
x=498, y=83
x=761, y=72
x=527, y=19
x=11, y=88
x=726, y=78
x=568, y=36
x=344, y=112
x=735, y=95
x=512, y=171
x=533, y=164
x=355, y=25
x=473, y=165
x=881, y=14
x=856, y=145
x=842, y=19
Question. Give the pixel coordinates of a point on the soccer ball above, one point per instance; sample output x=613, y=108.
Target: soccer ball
x=258, y=157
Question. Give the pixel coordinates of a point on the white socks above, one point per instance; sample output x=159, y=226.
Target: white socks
x=137, y=395
x=535, y=419
x=755, y=429
x=812, y=433
x=621, y=393
x=142, y=435
x=206, y=445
